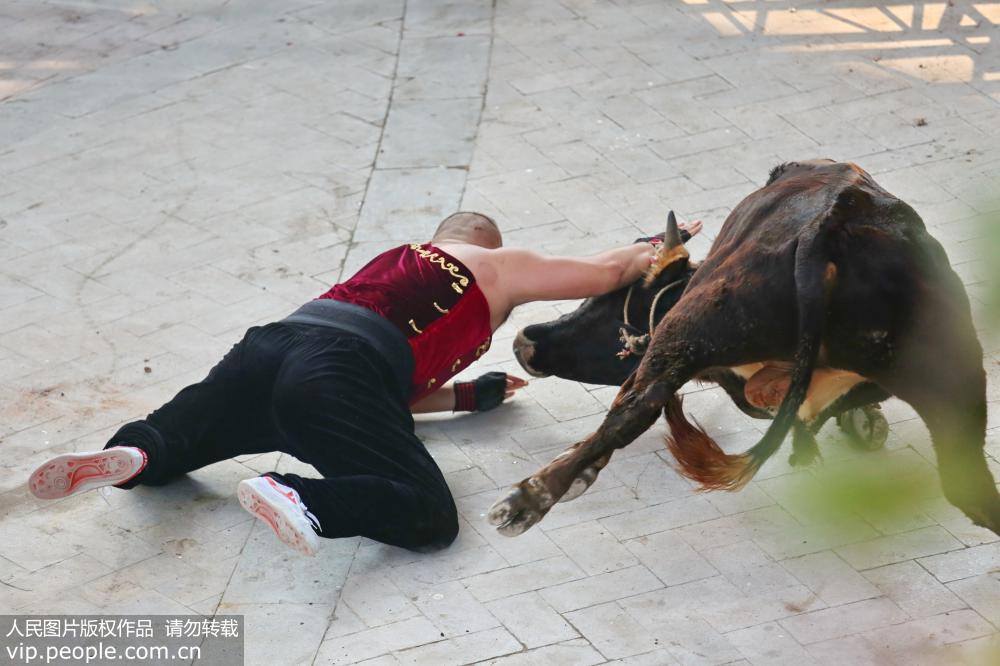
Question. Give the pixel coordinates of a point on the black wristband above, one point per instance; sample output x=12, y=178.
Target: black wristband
x=490, y=390
x=482, y=394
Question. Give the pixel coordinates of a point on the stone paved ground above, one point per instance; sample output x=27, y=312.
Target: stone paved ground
x=171, y=173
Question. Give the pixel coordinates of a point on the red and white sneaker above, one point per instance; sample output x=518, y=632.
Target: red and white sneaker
x=73, y=473
x=281, y=507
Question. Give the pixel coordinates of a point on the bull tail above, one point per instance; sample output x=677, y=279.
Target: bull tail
x=698, y=456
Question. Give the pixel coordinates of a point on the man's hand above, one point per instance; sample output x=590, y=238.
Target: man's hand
x=513, y=383
x=486, y=392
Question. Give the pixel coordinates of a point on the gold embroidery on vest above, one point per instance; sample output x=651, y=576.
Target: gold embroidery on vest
x=455, y=365
x=440, y=309
x=414, y=327
x=481, y=349
x=431, y=383
x=449, y=267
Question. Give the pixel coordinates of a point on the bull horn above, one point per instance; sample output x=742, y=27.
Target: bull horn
x=673, y=236
x=672, y=250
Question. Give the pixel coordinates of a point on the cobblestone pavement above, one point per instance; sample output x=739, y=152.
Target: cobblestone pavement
x=172, y=173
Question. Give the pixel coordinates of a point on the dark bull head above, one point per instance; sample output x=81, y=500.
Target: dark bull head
x=591, y=344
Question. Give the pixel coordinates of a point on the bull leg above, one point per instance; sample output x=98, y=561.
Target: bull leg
x=947, y=389
x=967, y=482
x=691, y=335
x=572, y=471
x=865, y=427
x=729, y=381
x=587, y=477
x=858, y=410
x=957, y=433
x=804, y=448
x=965, y=476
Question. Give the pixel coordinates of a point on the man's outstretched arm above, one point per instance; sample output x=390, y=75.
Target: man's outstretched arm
x=530, y=276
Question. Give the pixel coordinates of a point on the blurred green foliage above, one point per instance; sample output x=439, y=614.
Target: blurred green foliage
x=875, y=486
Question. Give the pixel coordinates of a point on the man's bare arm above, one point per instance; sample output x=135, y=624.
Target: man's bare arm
x=529, y=276
x=442, y=400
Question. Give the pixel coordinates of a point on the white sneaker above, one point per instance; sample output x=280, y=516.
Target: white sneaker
x=73, y=473
x=281, y=507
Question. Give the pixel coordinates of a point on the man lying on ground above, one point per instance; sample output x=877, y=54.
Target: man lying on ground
x=335, y=385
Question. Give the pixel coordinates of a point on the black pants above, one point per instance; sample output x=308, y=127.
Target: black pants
x=327, y=398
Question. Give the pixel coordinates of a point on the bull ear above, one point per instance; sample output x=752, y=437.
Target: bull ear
x=672, y=238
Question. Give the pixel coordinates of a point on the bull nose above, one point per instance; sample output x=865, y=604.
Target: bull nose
x=524, y=351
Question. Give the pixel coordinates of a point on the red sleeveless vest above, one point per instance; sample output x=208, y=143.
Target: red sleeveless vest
x=434, y=300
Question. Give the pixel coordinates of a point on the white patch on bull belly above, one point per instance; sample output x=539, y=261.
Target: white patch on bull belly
x=746, y=371
x=827, y=385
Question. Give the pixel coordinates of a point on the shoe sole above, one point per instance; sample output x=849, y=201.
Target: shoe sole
x=73, y=473
x=261, y=506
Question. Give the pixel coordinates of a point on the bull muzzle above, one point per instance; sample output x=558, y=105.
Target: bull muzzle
x=524, y=351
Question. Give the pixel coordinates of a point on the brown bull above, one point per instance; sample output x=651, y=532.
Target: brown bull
x=818, y=283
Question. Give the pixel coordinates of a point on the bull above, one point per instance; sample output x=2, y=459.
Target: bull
x=602, y=341
x=821, y=288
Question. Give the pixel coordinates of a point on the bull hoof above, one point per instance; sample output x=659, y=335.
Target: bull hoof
x=580, y=484
x=865, y=427
x=525, y=504
x=803, y=458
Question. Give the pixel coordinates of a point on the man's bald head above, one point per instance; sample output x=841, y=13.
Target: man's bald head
x=472, y=228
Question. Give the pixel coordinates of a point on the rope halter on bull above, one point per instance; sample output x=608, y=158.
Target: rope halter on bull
x=669, y=250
